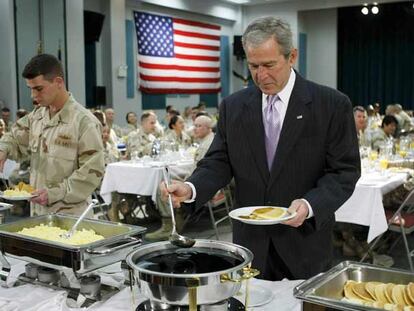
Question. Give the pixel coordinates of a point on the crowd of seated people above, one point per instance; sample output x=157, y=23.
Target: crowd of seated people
x=137, y=139
x=375, y=132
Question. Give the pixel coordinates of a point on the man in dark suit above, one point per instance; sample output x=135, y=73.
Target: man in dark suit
x=287, y=142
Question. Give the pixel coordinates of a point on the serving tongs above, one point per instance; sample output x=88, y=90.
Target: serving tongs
x=68, y=235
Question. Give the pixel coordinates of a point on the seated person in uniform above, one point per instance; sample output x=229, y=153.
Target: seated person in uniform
x=385, y=133
x=176, y=133
x=140, y=140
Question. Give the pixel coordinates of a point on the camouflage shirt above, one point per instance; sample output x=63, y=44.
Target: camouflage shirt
x=141, y=142
x=183, y=140
x=66, y=154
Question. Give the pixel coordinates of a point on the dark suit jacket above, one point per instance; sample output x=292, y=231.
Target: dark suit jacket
x=317, y=159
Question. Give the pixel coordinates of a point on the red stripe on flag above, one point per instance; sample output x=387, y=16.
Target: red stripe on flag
x=197, y=24
x=198, y=57
x=178, y=79
x=178, y=67
x=197, y=46
x=178, y=91
x=196, y=35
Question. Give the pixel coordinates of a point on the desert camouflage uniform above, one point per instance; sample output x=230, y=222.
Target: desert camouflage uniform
x=66, y=155
x=184, y=140
x=141, y=142
x=378, y=138
x=111, y=153
x=128, y=129
x=117, y=129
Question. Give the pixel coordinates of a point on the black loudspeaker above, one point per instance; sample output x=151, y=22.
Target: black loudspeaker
x=92, y=23
x=238, y=50
x=99, y=96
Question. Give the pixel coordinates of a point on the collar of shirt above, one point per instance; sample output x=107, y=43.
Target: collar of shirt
x=284, y=96
x=63, y=115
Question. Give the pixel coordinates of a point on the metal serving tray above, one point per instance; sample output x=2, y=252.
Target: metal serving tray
x=119, y=240
x=325, y=291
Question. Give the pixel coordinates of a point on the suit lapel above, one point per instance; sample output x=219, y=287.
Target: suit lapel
x=292, y=125
x=254, y=131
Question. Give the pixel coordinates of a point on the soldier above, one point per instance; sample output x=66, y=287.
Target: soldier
x=176, y=133
x=110, y=115
x=5, y=116
x=141, y=140
x=132, y=123
x=62, y=138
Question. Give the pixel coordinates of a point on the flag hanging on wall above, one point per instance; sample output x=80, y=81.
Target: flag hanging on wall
x=177, y=55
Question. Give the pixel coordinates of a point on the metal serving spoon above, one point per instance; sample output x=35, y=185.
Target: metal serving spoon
x=175, y=238
x=68, y=235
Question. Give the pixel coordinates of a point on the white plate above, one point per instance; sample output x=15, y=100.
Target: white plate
x=258, y=295
x=16, y=198
x=246, y=211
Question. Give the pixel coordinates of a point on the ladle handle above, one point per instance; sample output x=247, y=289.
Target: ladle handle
x=82, y=216
x=166, y=176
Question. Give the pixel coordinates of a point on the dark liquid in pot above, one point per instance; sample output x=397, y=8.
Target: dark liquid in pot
x=189, y=261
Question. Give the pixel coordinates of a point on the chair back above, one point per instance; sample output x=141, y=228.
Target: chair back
x=406, y=207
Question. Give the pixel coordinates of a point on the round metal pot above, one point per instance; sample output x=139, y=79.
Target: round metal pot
x=183, y=289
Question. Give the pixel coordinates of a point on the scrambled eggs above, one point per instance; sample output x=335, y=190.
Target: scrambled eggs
x=20, y=190
x=49, y=233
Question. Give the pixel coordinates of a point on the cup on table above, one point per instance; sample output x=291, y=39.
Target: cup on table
x=135, y=156
x=383, y=163
x=373, y=155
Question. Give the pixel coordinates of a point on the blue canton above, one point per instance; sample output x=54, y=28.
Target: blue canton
x=154, y=35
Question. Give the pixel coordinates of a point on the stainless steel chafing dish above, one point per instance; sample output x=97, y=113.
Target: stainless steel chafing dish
x=175, y=279
x=325, y=291
x=119, y=240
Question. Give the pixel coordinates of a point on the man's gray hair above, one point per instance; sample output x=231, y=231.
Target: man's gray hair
x=262, y=29
x=206, y=120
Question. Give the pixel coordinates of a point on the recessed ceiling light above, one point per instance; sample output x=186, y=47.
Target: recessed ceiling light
x=365, y=10
x=374, y=9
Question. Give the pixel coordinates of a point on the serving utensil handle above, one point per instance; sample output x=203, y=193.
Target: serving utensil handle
x=82, y=216
x=106, y=251
x=166, y=177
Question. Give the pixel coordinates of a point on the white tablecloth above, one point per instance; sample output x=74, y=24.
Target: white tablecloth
x=138, y=178
x=37, y=298
x=365, y=206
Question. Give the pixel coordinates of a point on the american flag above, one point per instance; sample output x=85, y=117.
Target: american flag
x=177, y=55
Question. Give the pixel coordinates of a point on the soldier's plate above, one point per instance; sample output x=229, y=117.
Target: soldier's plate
x=17, y=197
x=242, y=214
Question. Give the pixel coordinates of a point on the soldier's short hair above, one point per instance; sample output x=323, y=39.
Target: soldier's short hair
x=146, y=115
x=43, y=64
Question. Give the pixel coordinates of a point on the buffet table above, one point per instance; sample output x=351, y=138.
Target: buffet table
x=37, y=298
x=141, y=178
x=365, y=206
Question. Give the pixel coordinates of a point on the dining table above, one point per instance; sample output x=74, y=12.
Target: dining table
x=141, y=177
x=365, y=206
